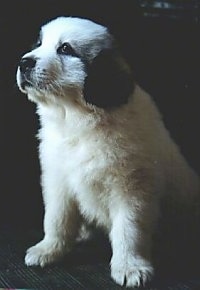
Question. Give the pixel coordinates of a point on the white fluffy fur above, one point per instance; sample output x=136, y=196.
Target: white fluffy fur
x=113, y=168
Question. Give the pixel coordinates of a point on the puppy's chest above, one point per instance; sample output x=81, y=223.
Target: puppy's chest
x=68, y=153
x=81, y=163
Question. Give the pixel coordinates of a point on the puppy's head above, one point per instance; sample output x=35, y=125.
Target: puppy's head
x=75, y=61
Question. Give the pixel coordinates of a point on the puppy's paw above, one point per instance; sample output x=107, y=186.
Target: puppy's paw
x=131, y=273
x=44, y=253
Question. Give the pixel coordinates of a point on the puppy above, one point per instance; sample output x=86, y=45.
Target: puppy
x=106, y=157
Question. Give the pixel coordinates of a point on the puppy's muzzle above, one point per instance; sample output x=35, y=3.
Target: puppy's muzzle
x=26, y=64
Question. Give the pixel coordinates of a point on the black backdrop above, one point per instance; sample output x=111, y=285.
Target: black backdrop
x=163, y=51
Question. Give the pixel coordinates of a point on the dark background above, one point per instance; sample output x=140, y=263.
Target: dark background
x=160, y=43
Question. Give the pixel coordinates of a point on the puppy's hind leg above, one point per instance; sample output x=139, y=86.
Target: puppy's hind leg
x=61, y=224
x=85, y=233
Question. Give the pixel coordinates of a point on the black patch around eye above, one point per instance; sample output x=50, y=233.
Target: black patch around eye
x=66, y=49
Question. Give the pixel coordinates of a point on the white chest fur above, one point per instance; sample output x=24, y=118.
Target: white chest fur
x=76, y=159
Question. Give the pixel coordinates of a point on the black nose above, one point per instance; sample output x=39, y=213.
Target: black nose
x=26, y=63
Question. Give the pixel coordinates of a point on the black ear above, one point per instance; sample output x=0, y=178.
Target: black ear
x=109, y=81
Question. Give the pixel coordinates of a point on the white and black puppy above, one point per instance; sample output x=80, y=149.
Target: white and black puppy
x=106, y=157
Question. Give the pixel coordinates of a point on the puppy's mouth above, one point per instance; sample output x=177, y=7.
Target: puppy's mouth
x=24, y=84
x=24, y=81
x=33, y=81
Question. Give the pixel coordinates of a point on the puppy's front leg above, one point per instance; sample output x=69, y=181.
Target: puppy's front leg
x=61, y=223
x=130, y=236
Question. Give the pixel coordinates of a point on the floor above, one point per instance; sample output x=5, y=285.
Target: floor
x=86, y=268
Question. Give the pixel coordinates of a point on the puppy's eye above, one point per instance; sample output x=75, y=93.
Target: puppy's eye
x=66, y=48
